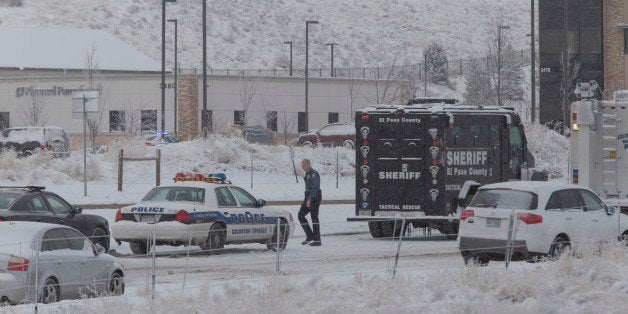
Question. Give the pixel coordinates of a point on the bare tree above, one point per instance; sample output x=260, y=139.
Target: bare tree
x=93, y=77
x=287, y=125
x=268, y=115
x=387, y=90
x=248, y=89
x=354, y=91
x=132, y=120
x=31, y=113
x=503, y=64
x=569, y=68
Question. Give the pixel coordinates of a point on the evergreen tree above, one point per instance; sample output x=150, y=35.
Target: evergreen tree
x=436, y=63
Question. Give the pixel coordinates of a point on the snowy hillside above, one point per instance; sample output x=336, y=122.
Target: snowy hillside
x=250, y=34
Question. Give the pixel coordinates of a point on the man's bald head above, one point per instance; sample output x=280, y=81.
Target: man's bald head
x=306, y=164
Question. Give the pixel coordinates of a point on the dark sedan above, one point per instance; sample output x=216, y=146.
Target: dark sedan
x=32, y=203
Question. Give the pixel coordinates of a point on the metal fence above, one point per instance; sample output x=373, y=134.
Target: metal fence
x=457, y=67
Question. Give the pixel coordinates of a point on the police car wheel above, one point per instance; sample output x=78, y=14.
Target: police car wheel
x=284, y=232
x=138, y=247
x=215, y=241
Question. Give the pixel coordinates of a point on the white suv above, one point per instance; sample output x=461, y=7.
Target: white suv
x=548, y=217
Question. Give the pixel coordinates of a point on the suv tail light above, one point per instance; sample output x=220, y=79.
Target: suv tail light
x=118, y=215
x=183, y=217
x=17, y=263
x=466, y=214
x=530, y=219
x=43, y=145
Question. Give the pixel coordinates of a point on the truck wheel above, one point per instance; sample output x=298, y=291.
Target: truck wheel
x=375, y=227
x=449, y=230
x=390, y=229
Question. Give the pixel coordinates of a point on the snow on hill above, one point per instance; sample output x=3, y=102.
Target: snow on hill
x=250, y=34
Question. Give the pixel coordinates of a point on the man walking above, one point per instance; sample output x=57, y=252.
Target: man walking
x=310, y=204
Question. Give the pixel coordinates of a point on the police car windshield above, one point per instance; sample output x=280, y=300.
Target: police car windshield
x=7, y=199
x=175, y=194
x=505, y=199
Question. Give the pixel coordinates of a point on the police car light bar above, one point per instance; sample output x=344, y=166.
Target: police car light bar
x=214, y=178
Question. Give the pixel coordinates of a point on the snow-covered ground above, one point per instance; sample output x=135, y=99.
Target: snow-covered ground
x=352, y=272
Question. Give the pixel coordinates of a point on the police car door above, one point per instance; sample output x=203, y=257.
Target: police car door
x=254, y=219
x=234, y=218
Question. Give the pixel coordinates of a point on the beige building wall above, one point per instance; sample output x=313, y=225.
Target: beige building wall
x=614, y=16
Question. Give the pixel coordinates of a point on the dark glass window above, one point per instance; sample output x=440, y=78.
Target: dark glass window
x=149, y=120
x=116, y=121
x=625, y=40
x=4, y=120
x=590, y=40
x=271, y=120
x=550, y=41
x=301, y=123
x=332, y=117
x=206, y=120
x=239, y=117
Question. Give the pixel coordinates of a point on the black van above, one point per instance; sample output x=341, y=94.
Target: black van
x=414, y=160
x=25, y=141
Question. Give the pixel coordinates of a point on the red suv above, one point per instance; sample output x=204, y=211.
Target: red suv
x=334, y=134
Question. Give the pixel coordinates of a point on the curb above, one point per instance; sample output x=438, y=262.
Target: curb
x=268, y=203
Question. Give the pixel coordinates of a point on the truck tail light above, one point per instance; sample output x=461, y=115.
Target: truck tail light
x=118, y=215
x=183, y=217
x=17, y=263
x=530, y=219
x=466, y=214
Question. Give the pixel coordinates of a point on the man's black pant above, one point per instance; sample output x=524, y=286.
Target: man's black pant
x=315, y=234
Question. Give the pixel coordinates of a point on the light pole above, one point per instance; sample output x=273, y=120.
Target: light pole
x=332, y=57
x=163, y=65
x=532, y=63
x=176, y=65
x=499, y=63
x=204, y=113
x=307, y=44
x=290, y=43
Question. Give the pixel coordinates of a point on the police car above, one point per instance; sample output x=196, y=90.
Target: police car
x=204, y=211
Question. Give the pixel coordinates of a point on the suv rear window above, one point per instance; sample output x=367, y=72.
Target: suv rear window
x=505, y=199
x=23, y=135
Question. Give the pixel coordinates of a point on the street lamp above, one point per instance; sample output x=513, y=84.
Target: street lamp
x=204, y=114
x=163, y=65
x=332, y=57
x=499, y=62
x=290, y=43
x=307, y=44
x=176, y=81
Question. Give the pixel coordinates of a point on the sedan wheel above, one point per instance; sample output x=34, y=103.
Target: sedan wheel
x=100, y=236
x=116, y=286
x=50, y=293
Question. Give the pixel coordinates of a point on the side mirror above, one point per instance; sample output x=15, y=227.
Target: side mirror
x=99, y=249
x=261, y=203
x=610, y=210
x=77, y=210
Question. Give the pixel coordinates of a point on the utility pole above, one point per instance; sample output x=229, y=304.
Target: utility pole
x=307, y=45
x=290, y=43
x=499, y=63
x=176, y=81
x=532, y=63
x=332, y=57
x=205, y=114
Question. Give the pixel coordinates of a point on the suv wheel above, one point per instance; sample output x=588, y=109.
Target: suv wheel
x=559, y=246
x=348, y=144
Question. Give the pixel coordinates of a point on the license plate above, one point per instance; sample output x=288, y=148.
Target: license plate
x=151, y=219
x=493, y=222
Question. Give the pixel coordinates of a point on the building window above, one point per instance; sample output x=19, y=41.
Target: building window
x=625, y=40
x=302, y=122
x=149, y=120
x=271, y=120
x=116, y=121
x=4, y=120
x=332, y=117
x=206, y=121
x=239, y=117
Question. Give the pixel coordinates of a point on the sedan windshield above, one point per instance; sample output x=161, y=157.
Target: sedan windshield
x=505, y=199
x=175, y=194
x=7, y=199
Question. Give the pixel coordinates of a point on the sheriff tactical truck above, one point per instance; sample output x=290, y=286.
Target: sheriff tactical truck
x=418, y=161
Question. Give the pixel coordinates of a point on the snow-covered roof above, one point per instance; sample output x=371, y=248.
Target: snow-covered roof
x=67, y=49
